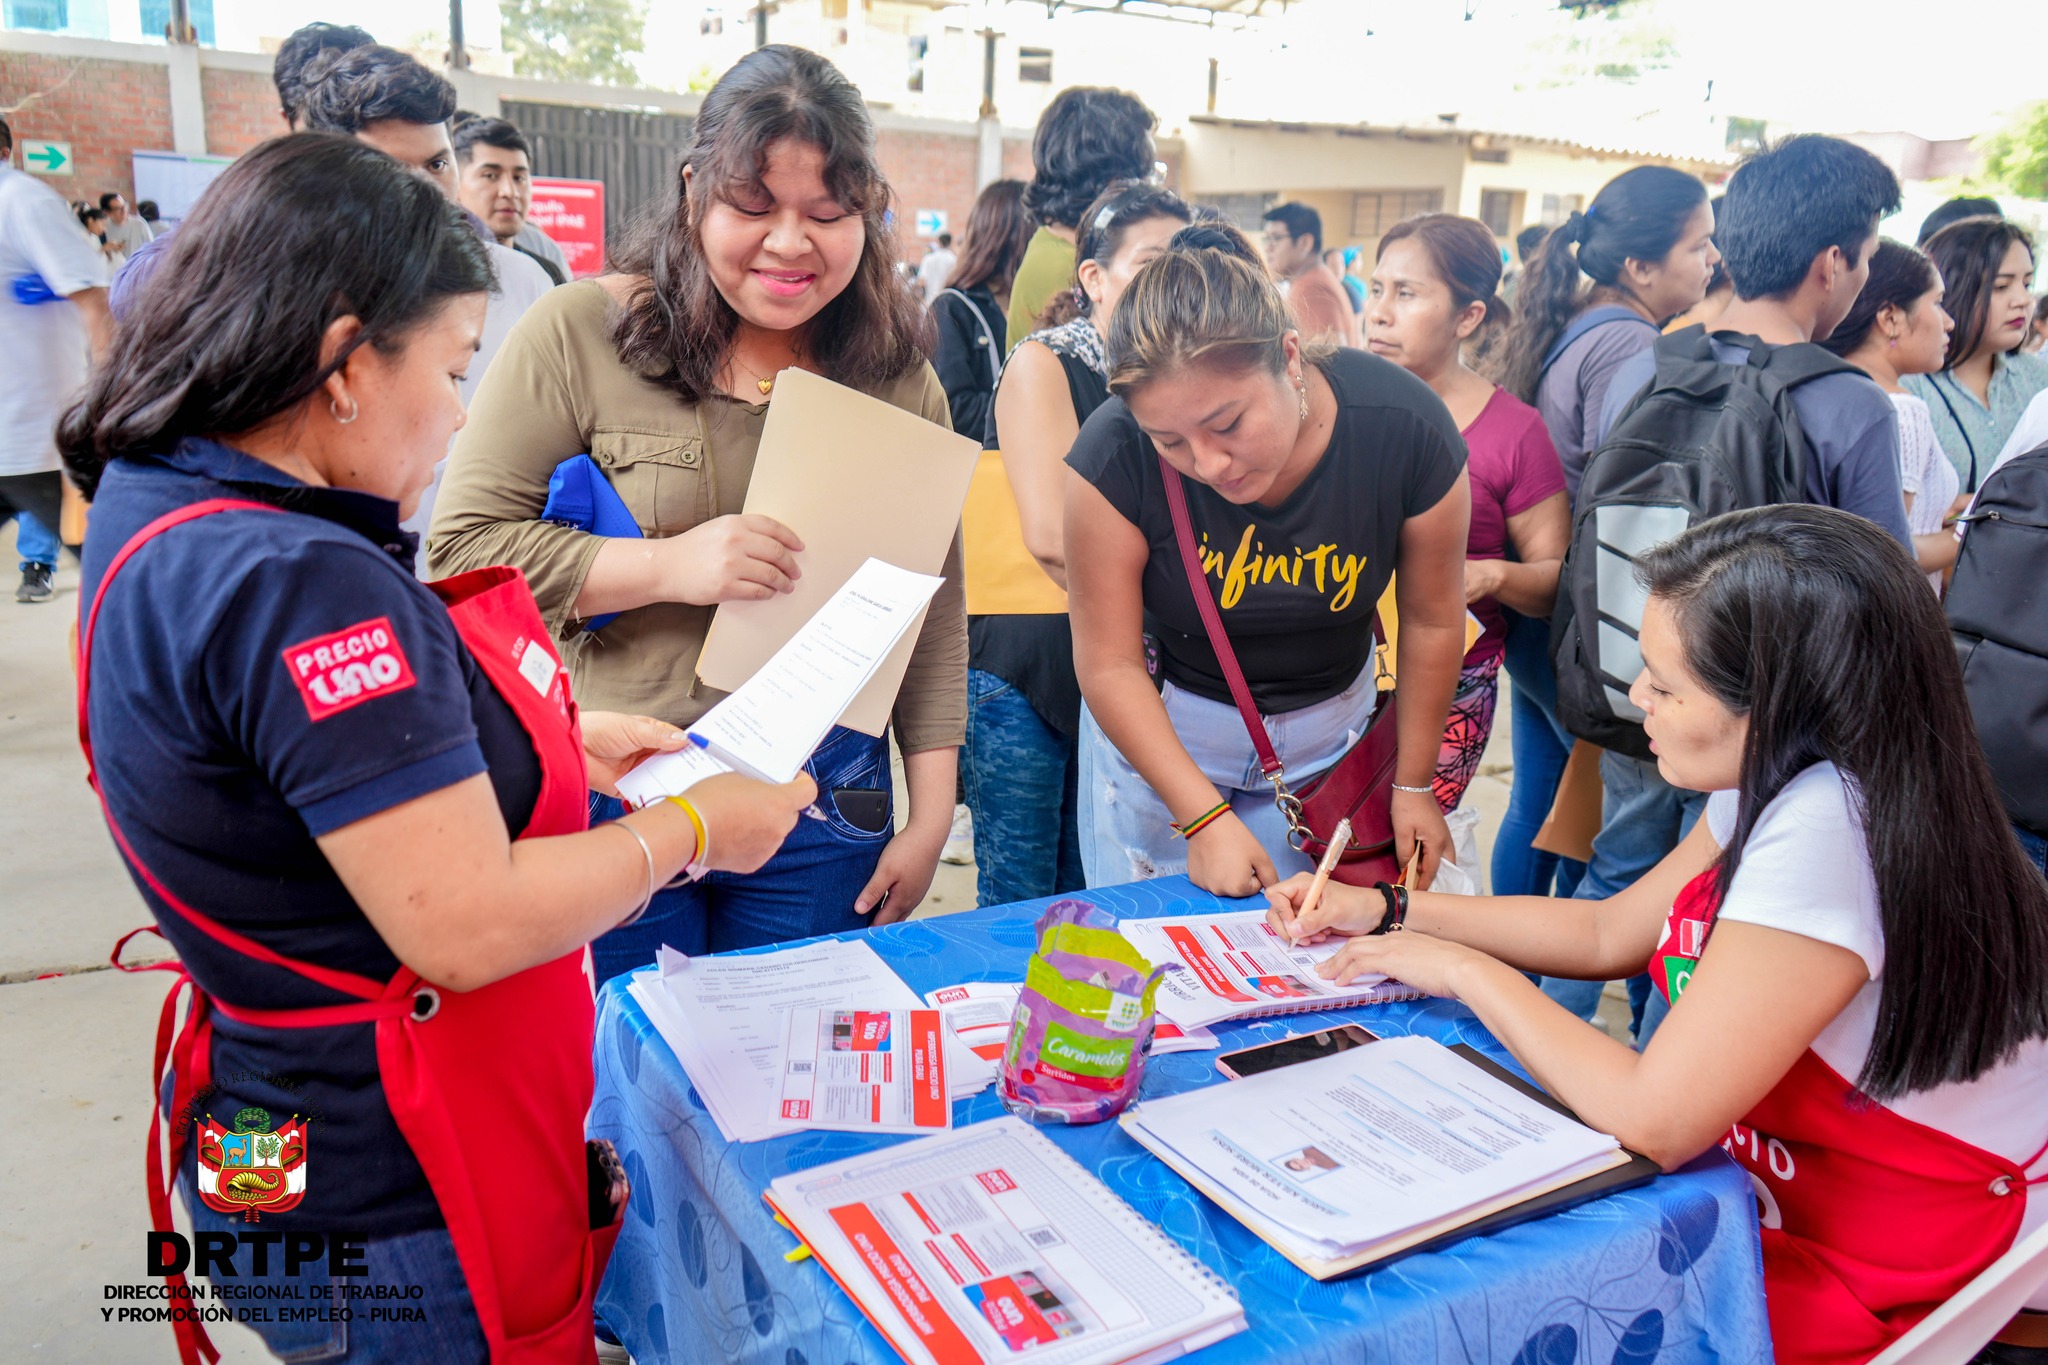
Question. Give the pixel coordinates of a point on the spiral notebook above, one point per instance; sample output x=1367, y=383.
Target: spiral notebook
x=976, y=1245
x=1233, y=966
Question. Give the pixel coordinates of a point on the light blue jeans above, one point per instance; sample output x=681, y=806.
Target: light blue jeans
x=1126, y=830
x=33, y=541
x=1642, y=818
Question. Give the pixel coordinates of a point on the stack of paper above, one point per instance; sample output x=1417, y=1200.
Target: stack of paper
x=1350, y=1158
x=989, y=1242
x=1234, y=966
x=727, y=1020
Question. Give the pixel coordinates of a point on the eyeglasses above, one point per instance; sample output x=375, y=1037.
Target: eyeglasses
x=1276, y=238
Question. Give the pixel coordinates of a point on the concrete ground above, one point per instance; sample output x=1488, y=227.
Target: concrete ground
x=75, y=1091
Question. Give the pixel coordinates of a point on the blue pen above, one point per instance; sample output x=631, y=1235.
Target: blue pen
x=813, y=811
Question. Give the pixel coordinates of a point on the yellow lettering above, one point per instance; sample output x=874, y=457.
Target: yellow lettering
x=1273, y=564
x=1212, y=562
x=1347, y=570
x=1234, y=580
x=1319, y=557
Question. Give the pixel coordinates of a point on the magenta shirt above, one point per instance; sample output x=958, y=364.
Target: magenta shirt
x=1513, y=466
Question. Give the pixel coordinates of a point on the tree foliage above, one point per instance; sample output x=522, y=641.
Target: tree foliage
x=2016, y=156
x=574, y=40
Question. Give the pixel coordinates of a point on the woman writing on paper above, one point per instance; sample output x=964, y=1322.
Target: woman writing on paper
x=356, y=807
x=1021, y=767
x=1853, y=949
x=772, y=251
x=1310, y=476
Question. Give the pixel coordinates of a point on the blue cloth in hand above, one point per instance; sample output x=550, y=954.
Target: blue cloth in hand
x=579, y=495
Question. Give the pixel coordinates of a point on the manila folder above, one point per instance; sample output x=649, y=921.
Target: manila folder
x=855, y=478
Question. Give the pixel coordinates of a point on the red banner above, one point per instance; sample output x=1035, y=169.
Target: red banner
x=892, y=1270
x=572, y=212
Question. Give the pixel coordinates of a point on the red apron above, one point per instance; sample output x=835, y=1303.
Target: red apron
x=490, y=1087
x=1870, y=1221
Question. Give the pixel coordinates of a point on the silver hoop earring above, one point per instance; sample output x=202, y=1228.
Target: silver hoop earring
x=355, y=410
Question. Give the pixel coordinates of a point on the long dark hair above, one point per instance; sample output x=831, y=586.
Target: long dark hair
x=1119, y=208
x=677, y=329
x=226, y=336
x=1782, y=610
x=1968, y=254
x=997, y=229
x=1898, y=276
x=1639, y=215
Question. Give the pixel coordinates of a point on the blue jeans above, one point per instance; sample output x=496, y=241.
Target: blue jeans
x=1018, y=775
x=806, y=889
x=1642, y=818
x=1127, y=832
x=425, y=1260
x=2033, y=845
x=33, y=541
x=1540, y=747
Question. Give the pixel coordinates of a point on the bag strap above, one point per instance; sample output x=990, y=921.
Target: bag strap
x=1582, y=324
x=995, y=359
x=1212, y=622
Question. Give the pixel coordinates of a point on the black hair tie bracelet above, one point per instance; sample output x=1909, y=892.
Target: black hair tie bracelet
x=1397, y=907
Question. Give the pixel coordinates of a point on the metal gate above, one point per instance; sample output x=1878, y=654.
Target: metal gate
x=634, y=154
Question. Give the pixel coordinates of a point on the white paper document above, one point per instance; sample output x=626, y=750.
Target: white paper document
x=990, y=1244
x=1328, y=1157
x=866, y=1071
x=724, y=1017
x=979, y=1013
x=770, y=725
x=1232, y=965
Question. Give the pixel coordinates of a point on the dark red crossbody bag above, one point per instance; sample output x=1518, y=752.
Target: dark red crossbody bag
x=1359, y=786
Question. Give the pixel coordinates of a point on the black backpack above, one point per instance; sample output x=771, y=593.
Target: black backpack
x=1705, y=437
x=1998, y=612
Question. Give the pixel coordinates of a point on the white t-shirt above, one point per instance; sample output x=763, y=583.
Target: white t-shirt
x=45, y=344
x=521, y=282
x=1925, y=473
x=1806, y=870
x=128, y=235
x=934, y=271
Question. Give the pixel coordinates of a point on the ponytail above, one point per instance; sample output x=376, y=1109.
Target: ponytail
x=1639, y=215
x=1200, y=306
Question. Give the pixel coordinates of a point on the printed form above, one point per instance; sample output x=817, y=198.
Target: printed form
x=866, y=1071
x=1361, y=1146
x=1234, y=964
x=769, y=727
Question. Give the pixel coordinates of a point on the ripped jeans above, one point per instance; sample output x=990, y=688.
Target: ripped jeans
x=1126, y=830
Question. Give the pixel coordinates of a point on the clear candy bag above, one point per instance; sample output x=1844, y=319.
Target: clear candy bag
x=1084, y=1021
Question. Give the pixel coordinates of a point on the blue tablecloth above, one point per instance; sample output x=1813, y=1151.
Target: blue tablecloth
x=1670, y=1272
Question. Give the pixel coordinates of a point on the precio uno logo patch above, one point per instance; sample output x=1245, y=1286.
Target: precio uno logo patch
x=335, y=672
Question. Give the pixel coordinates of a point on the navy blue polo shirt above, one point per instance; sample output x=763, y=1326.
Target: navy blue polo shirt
x=260, y=680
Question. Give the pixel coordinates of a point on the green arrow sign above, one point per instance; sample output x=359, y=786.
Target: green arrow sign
x=46, y=158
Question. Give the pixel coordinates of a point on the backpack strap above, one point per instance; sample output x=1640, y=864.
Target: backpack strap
x=1585, y=322
x=988, y=333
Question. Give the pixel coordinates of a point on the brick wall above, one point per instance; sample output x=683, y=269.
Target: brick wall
x=241, y=110
x=106, y=111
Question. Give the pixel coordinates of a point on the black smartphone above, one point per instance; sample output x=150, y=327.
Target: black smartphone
x=865, y=808
x=1303, y=1047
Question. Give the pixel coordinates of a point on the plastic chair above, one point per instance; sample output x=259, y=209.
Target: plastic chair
x=1960, y=1328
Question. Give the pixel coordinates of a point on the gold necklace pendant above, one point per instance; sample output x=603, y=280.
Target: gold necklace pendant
x=767, y=386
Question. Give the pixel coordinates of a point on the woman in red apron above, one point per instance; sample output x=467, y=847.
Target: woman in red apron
x=1853, y=948
x=357, y=807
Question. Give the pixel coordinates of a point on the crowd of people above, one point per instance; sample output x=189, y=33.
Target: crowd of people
x=373, y=697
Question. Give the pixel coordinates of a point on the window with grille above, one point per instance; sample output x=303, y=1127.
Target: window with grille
x=156, y=18
x=51, y=15
x=1497, y=211
x=1035, y=64
x=1558, y=207
x=1374, y=211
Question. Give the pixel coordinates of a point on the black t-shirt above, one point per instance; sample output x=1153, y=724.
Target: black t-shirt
x=1297, y=582
x=224, y=765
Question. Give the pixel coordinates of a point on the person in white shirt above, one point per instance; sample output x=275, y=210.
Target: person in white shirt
x=1854, y=943
x=2031, y=432
x=125, y=230
x=381, y=96
x=53, y=310
x=937, y=268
